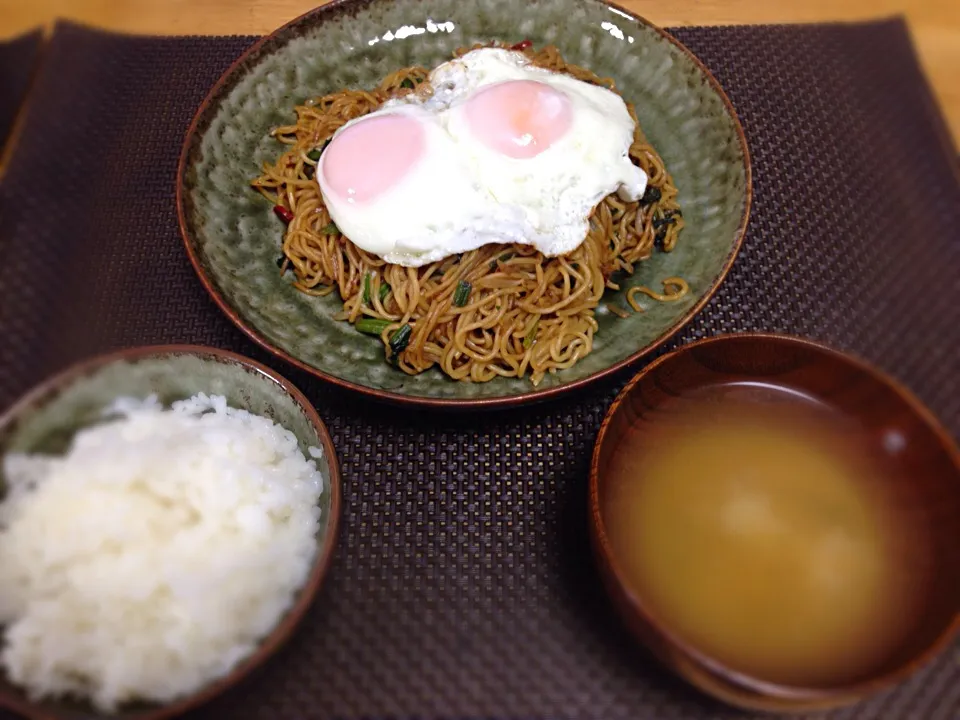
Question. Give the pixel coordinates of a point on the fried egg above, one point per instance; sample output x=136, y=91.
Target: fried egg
x=500, y=152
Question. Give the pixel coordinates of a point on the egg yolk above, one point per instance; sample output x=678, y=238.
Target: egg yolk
x=519, y=118
x=371, y=156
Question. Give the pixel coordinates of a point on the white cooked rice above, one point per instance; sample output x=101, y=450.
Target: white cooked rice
x=156, y=554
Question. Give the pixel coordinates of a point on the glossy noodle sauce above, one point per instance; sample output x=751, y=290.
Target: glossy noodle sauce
x=764, y=530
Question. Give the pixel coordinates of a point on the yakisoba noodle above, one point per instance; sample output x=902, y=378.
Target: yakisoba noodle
x=501, y=310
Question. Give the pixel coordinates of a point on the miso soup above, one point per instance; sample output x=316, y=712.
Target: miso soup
x=766, y=531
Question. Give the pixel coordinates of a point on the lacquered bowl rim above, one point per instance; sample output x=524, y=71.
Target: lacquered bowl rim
x=305, y=596
x=317, y=16
x=820, y=697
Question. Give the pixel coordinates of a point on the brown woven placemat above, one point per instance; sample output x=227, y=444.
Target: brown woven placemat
x=18, y=57
x=463, y=584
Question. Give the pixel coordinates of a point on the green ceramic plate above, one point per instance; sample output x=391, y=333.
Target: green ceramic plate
x=46, y=420
x=234, y=239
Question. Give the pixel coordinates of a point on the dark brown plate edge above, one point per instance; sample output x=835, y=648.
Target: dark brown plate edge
x=277, y=637
x=805, y=699
x=337, y=7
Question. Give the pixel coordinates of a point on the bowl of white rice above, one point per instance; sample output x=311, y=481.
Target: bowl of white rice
x=167, y=515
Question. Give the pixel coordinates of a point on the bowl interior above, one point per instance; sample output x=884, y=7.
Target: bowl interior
x=234, y=237
x=47, y=420
x=924, y=452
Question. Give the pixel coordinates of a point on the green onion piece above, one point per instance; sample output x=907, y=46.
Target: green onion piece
x=366, y=288
x=531, y=334
x=651, y=195
x=330, y=229
x=659, y=238
x=384, y=291
x=407, y=83
x=372, y=326
x=666, y=219
x=309, y=171
x=462, y=293
x=400, y=339
x=503, y=258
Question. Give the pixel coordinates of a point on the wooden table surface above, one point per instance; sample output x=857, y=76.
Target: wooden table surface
x=934, y=24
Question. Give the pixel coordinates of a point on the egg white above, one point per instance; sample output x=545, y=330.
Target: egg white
x=558, y=188
x=461, y=195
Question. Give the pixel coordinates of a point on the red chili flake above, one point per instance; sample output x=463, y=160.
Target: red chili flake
x=281, y=212
x=522, y=45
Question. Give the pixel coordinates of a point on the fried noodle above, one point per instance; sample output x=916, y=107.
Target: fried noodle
x=526, y=314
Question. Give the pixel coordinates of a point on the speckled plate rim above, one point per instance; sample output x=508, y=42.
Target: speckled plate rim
x=320, y=566
x=331, y=10
x=807, y=699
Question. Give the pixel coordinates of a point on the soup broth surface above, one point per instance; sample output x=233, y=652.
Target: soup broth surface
x=765, y=530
